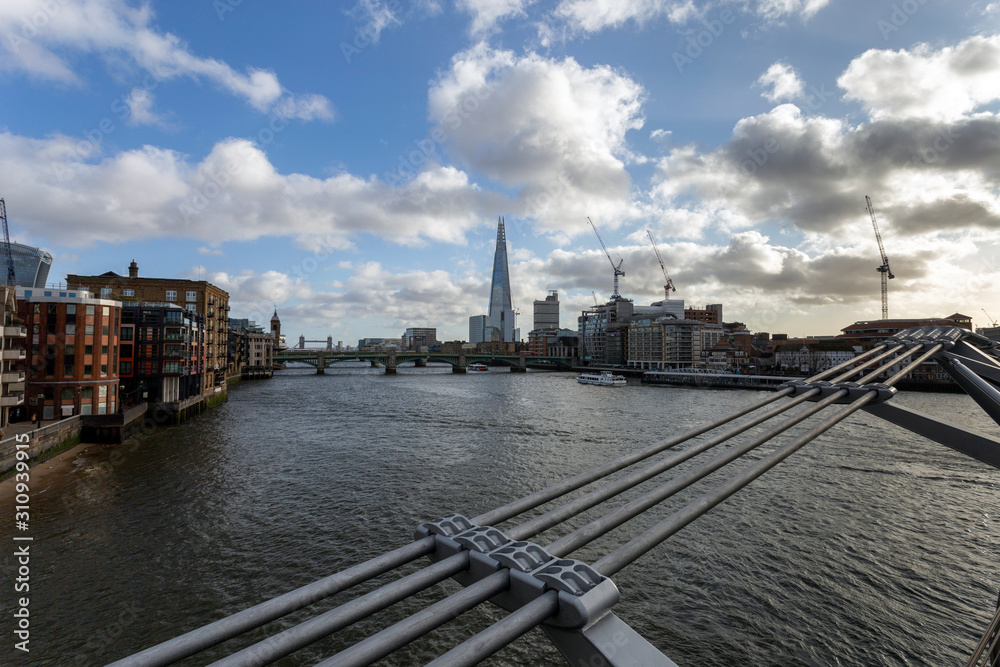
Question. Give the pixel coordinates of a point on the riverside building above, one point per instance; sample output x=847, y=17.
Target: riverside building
x=209, y=301
x=161, y=353
x=72, y=354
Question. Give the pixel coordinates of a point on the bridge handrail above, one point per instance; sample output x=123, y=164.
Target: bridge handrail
x=866, y=392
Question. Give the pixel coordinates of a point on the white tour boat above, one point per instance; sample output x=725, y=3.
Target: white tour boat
x=603, y=379
x=477, y=368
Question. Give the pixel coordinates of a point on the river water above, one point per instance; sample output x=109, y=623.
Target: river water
x=870, y=546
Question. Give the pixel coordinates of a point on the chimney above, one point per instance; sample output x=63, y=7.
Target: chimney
x=133, y=270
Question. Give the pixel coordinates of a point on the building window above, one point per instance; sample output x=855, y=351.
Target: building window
x=86, y=409
x=67, y=393
x=88, y=349
x=88, y=369
x=106, y=311
x=70, y=329
x=127, y=333
x=102, y=391
x=87, y=392
x=171, y=295
x=105, y=330
x=125, y=368
x=191, y=296
x=105, y=292
x=90, y=310
x=104, y=349
x=71, y=309
x=128, y=291
x=104, y=370
x=88, y=329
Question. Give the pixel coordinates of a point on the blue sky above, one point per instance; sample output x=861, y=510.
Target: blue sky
x=348, y=161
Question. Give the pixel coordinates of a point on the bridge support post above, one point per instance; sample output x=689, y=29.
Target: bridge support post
x=460, y=366
x=607, y=641
x=522, y=366
x=320, y=363
x=374, y=364
x=420, y=363
x=390, y=364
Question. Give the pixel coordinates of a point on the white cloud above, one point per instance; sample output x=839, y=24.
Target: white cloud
x=140, y=109
x=486, y=14
x=204, y=250
x=38, y=39
x=595, y=15
x=552, y=129
x=234, y=193
x=376, y=16
x=943, y=84
x=780, y=82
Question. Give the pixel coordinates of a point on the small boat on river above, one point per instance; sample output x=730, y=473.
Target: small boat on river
x=602, y=379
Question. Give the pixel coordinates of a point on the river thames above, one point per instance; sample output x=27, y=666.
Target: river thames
x=870, y=546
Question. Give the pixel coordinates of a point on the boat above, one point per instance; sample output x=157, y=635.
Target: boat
x=603, y=379
x=477, y=368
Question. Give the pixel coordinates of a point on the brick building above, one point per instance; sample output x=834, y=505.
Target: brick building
x=161, y=356
x=72, y=355
x=209, y=301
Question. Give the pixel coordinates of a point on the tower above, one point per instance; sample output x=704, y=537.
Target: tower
x=276, y=328
x=501, y=308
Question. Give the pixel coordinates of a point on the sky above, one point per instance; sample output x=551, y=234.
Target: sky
x=347, y=162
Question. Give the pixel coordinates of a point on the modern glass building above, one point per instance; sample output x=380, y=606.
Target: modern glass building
x=501, y=309
x=31, y=265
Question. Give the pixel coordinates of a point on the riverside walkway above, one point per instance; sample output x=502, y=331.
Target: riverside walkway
x=572, y=602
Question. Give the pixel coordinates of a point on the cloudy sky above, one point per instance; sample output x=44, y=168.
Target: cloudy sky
x=348, y=161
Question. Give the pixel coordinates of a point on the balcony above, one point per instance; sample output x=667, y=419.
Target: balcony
x=12, y=400
x=177, y=354
x=14, y=355
x=15, y=331
x=12, y=376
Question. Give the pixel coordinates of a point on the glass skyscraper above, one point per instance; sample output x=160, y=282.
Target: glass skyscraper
x=501, y=309
x=31, y=265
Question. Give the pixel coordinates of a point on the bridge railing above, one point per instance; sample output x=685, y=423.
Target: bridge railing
x=571, y=601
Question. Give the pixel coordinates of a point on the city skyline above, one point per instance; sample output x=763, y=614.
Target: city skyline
x=350, y=167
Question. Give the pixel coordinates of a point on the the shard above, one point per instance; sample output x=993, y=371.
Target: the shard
x=501, y=308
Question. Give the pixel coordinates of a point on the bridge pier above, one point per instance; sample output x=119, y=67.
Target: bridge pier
x=420, y=363
x=460, y=366
x=374, y=364
x=390, y=364
x=320, y=363
x=522, y=366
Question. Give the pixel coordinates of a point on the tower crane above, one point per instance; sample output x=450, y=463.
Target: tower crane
x=595, y=298
x=669, y=285
x=884, y=269
x=989, y=319
x=8, y=256
x=617, y=269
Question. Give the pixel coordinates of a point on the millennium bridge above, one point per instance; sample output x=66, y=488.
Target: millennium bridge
x=493, y=557
x=321, y=359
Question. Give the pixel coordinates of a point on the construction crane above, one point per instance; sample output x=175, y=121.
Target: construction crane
x=989, y=319
x=6, y=244
x=618, y=269
x=595, y=298
x=669, y=285
x=884, y=269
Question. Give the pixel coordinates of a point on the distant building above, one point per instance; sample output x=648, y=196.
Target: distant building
x=869, y=333
x=501, y=311
x=810, y=356
x=415, y=338
x=603, y=332
x=547, y=312
x=480, y=329
x=12, y=353
x=31, y=265
x=710, y=314
x=72, y=359
x=553, y=343
x=993, y=333
x=209, y=301
x=664, y=342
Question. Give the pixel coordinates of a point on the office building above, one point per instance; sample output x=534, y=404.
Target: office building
x=501, y=311
x=547, y=312
x=31, y=265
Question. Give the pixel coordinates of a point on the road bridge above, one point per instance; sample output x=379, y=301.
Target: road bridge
x=493, y=556
x=321, y=359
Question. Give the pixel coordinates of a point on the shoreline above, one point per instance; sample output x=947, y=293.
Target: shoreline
x=43, y=474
